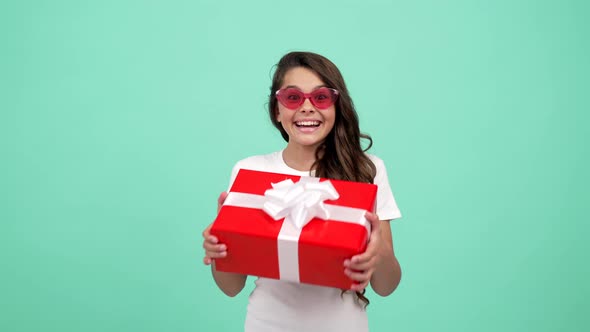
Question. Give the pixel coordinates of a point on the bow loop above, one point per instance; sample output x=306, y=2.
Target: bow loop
x=299, y=202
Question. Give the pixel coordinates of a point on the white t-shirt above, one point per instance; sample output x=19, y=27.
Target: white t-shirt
x=282, y=306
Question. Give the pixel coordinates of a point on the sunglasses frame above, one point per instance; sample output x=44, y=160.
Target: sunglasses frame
x=334, y=93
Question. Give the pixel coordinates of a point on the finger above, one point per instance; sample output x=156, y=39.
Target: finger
x=362, y=258
x=211, y=239
x=207, y=235
x=374, y=220
x=216, y=254
x=221, y=199
x=360, y=276
x=207, y=260
x=206, y=232
x=362, y=266
x=356, y=261
x=372, y=217
x=214, y=247
x=359, y=287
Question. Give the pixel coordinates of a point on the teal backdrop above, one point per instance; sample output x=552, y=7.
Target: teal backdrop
x=121, y=120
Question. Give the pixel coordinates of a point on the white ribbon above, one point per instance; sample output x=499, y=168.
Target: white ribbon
x=298, y=203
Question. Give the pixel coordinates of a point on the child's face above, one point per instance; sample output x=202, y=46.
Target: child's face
x=307, y=126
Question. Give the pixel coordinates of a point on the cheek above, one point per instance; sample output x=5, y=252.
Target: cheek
x=283, y=115
x=279, y=114
x=331, y=118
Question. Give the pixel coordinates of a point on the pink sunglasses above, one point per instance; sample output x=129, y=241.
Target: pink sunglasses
x=293, y=98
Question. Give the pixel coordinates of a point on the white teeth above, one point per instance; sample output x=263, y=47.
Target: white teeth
x=307, y=123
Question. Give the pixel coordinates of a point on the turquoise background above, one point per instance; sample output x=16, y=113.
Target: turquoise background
x=121, y=120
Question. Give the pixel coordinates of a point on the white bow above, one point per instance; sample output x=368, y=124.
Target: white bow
x=299, y=202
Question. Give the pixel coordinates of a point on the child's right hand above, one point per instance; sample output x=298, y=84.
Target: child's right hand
x=213, y=249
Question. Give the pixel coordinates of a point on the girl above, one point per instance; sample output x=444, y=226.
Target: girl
x=310, y=105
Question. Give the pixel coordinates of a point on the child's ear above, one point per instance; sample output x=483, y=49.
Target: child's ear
x=277, y=115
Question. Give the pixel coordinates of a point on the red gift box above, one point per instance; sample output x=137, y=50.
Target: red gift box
x=263, y=224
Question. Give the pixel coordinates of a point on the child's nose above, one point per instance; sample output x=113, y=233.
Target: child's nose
x=307, y=105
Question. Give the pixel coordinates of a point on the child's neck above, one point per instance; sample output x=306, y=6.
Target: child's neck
x=299, y=157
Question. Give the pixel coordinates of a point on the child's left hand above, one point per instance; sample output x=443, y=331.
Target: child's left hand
x=361, y=267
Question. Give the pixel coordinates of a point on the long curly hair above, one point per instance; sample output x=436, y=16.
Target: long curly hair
x=341, y=155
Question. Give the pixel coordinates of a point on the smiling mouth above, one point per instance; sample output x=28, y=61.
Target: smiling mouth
x=308, y=124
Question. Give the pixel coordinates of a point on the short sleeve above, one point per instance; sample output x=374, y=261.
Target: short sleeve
x=234, y=174
x=386, y=207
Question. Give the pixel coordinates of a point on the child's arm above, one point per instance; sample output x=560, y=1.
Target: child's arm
x=230, y=283
x=378, y=264
x=387, y=274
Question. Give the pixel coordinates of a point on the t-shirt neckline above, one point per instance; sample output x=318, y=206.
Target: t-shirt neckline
x=291, y=169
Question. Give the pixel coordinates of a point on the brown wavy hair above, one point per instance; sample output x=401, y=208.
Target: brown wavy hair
x=341, y=155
